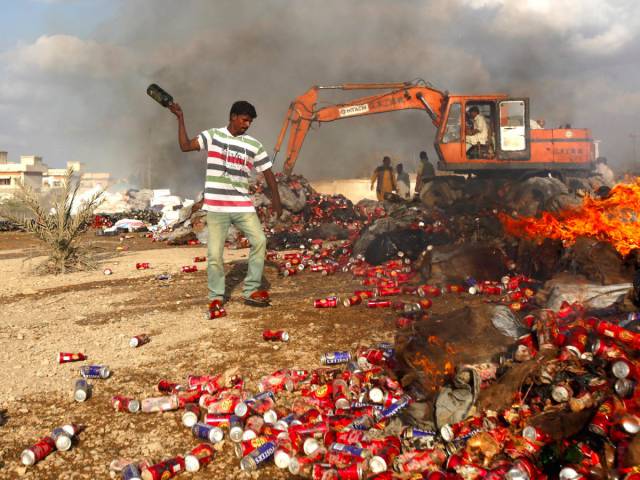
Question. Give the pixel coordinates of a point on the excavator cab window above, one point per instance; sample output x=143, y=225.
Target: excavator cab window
x=514, y=129
x=452, y=128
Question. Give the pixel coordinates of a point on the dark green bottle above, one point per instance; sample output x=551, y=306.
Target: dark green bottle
x=159, y=95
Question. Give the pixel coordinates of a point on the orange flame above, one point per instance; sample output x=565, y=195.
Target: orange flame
x=613, y=220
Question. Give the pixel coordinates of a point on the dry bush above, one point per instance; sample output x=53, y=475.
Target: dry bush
x=57, y=227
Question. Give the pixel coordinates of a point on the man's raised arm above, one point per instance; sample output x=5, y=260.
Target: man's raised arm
x=186, y=144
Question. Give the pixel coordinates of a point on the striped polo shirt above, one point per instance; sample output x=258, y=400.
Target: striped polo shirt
x=229, y=163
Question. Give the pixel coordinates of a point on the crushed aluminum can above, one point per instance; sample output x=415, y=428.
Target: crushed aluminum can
x=335, y=358
x=38, y=451
x=275, y=335
x=189, y=268
x=139, y=340
x=82, y=390
x=125, y=404
x=64, y=357
x=142, y=266
x=199, y=259
x=198, y=457
x=95, y=371
x=329, y=302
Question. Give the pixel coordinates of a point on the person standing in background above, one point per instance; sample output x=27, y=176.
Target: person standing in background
x=426, y=172
x=384, y=179
x=403, y=182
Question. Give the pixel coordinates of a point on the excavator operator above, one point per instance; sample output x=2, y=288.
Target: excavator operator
x=478, y=135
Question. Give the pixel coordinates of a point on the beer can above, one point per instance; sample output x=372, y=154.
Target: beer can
x=275, y=335
x=199, y=259
x=245, y=447
x=95, y=371
x=622, y=368
x=189, y=268
x=534, y=434
x=375, y=303
x=62, y=439
x=142, y=266
x=329, y=302
x=125, y=404
x=235, y=428
x=64, y=357
x=198, y=457
x=207, y=432
x=38, y=451
x=82, y=390
x=624, y=387
x=352, y=300
x=131, y=472
x=107, y=271
x=258, y=457
x=139, y=340
x=191, y=414
x=335, y=358
x=221, y=421
x=165, y=469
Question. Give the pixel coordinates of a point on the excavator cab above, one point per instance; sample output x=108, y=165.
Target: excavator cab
x=503, y=132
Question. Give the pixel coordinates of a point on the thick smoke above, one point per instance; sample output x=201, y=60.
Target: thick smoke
x=87, y=97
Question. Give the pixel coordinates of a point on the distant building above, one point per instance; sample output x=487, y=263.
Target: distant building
x=29, y=172
x=33, y=172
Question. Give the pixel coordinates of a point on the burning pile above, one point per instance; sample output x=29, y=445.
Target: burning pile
x=613, y=219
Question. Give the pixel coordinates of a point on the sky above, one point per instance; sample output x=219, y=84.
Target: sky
x=73, y=74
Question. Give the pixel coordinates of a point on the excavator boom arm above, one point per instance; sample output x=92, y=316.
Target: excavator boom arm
x=303, y=110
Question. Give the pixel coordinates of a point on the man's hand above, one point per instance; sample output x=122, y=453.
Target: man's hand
x=176, y=110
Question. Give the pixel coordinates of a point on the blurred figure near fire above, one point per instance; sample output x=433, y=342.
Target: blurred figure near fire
x=426, y=172
x=384, y=179
x=403, y=182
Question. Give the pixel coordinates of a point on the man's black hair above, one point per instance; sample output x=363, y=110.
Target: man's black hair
x=474, y=109
x=242, y=107
x=386, y=157
x=423, y=154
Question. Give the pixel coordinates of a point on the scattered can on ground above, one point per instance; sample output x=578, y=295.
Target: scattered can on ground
x=335, y=358
x=139, y=340
x=38, y=451
x=95, y=371
x=275, y=335
x=198, y=457
x=64, y=357
x=142, y=266
x=125, y=404
x=107, y=271
x=189, y=268
x=199, y=259
x=82, y=390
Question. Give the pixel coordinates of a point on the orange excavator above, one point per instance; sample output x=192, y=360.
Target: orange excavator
x=510, y=141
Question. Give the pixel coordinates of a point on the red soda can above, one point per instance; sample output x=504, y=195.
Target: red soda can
x=139, y=340
x=616, y=332
x=198, y=457
x=402, y=322
x=166, y=386
x=64, y=357
x=379, y=303
x=546, y=329
x=388, y=292
x=329, y=302
x=189, y=396
x=189, y=268
x=224, y=406
x=607, y=349
x=275, y=336
x=534, y=434
x=142, y=266
x=222, y=421
x=199, y=259
x=193, y=241
x=38, y=451
x=198, y=380
x=601, y=421
x=125, y=404
x=287, y=272
x=429, y=291
x=165, y=469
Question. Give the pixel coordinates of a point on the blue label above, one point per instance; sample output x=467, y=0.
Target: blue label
x=351, y=449
x=201, y=430
x=417, y=433
x=90, y=371
x=263, y=452
x=335, y=358
x=395, y=408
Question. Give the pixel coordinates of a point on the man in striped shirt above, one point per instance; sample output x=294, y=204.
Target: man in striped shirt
x=231, y=154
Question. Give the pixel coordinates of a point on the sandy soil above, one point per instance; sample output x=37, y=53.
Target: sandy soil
x=96, y=314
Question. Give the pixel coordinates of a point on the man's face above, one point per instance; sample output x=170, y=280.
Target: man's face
x=386, y=162
x=474, y=114
x=240, y=123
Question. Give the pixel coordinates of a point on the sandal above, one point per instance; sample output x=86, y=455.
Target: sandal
x=259, y=298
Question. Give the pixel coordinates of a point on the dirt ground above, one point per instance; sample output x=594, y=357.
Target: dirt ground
x=96, y=314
